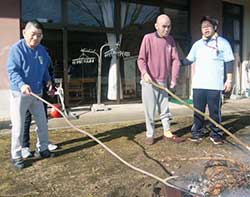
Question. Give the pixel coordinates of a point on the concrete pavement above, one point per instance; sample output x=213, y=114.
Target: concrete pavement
x=116, y=113
x=129, y=112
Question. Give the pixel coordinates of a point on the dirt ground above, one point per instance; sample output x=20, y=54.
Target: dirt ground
x=83, y=168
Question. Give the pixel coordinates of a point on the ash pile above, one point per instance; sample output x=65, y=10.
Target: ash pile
x=223, y=175
x=219, y=178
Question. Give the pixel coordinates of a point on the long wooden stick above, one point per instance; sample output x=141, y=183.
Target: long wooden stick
x=203, y=114
x=164, y=181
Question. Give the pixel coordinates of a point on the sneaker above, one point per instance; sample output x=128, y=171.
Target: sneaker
x=18, y=163
x=26, y=152
x=44, y=154
x=52, y=147
x=150, y=140
x=195, y=139
x=217, y=141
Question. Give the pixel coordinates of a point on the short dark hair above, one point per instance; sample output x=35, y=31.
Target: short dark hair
x=211, y=19
x=34, y=23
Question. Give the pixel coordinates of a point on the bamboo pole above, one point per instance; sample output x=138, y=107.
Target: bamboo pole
x=203, y=114
x=164, y=181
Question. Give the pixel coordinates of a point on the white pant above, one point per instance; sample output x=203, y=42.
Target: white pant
x=19, y=104
x=154, y=98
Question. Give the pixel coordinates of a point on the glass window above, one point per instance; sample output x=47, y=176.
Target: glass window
x=140, y=14
x=177, y=2
x=236, y=26
x=46, y=11
x=82, y=75
x=232, y=26
x=139, y=19
x=179, y=20
x=232, y=9
x=52, y=40
x=179, y=29
x=236, y=48
x=91, y=13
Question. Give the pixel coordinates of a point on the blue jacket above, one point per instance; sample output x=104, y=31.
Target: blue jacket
x=28, y=66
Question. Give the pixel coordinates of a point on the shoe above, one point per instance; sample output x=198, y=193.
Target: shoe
x=150, y=140
x=44, y=154
x=195, y=139
x=26, y=152
x=217, y=141
x=18, y=163
x=175, y=139
x=52, y=147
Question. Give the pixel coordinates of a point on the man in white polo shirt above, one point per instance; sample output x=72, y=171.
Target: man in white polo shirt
x=210, y=55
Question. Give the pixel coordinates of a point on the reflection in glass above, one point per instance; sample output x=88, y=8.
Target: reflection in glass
x=83, y=75
x=178, y=2
x=232, y=9
x=236, y=24
x=45, y=11
x=52, y=40
x=228, y=28
x=139, y=20
x=90, y=13
x=179, y=30
x=179, y=20
x=140, y=14
x=236, y=48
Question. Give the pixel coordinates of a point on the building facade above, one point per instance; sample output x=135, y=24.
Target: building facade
x=80, y=33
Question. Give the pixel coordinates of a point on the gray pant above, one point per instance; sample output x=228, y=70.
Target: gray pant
x=155, y=99
x=19, y=104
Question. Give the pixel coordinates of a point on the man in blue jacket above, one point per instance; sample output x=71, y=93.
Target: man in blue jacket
x=28, y=69
x=26, y=152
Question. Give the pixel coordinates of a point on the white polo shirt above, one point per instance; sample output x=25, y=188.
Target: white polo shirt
x=209, y=62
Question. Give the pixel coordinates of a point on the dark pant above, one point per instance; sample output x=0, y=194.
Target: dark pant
x=202, y=98
x=27, y=123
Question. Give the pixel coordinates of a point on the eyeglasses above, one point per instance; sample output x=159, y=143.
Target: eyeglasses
x=206, y=26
